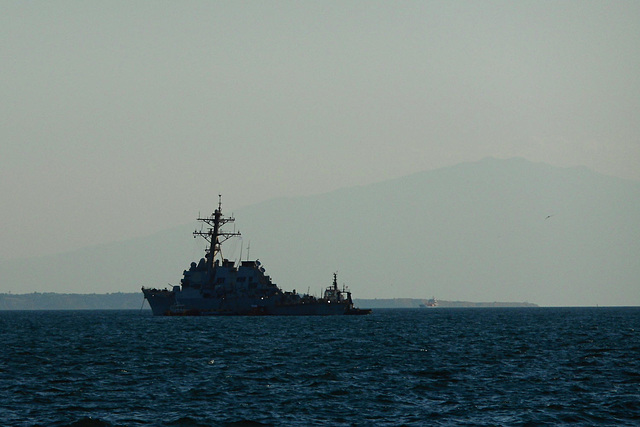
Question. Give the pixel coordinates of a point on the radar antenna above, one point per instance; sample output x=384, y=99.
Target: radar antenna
x=214, y=234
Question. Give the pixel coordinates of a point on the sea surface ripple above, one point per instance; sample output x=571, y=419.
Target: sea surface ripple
x=489, y=366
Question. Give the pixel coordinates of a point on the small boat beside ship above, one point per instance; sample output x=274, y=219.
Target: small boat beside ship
x=218, y=286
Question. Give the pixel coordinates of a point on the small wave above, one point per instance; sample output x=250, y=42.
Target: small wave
x=245, y=423
x=186, y=422
x=88, y=422
x=436, y=374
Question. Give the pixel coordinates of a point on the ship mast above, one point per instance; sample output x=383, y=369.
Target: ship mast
x=214, y=235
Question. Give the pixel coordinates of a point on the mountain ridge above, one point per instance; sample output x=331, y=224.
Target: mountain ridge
x=495, y=229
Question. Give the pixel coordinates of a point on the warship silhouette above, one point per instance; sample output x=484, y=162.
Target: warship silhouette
x=217, y=286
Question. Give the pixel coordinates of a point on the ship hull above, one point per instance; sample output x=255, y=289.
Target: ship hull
x=169, y=303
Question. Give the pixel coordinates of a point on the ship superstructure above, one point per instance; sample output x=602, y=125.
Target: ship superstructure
x=218, y=286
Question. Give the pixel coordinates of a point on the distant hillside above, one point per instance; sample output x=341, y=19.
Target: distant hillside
x=493, y=230
x=133, y=301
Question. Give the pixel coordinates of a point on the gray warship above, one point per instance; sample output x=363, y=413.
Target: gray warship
x=217, y=286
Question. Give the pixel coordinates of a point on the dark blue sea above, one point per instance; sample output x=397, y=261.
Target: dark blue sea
x=489, y=366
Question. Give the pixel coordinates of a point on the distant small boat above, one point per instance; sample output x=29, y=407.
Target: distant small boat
x=431, y=302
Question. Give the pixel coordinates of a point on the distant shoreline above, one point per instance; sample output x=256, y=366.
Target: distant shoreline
x=416, y=303
x=130, y=301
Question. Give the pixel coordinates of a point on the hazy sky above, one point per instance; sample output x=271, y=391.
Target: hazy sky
x=119, y=119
